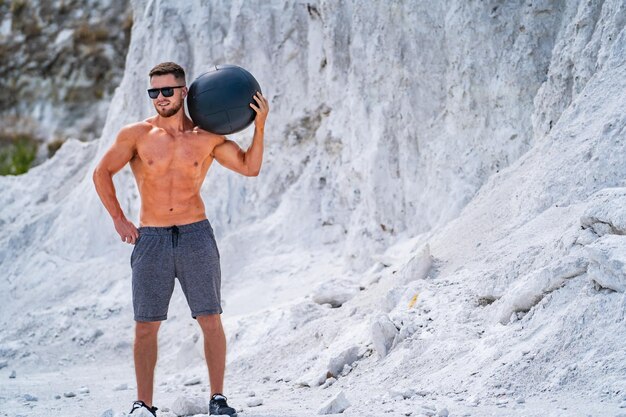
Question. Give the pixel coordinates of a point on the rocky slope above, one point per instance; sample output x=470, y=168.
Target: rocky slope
x=455, y=169
x=61, y=62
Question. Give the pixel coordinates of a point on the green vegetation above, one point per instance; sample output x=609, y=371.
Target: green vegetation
x=17, y=154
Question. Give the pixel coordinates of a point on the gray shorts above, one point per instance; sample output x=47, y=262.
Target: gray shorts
x=187, y=252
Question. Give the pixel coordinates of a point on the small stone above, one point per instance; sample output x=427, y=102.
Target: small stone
x=69, y=394
x=328, y=382
x=402, y=393
x=57, y=397
x=338, y=404
x=254, y=402
x=335, y=292
x=520, y=400
x=165, y=409
x=427, y=411
x=3, y=364
x=120, y=387
x=443, y=412
x=382, y=333
x=13, y=375
x=185, y=406
x=83, y=390
x=29, y=397
x=251, y=393
x=192, y=381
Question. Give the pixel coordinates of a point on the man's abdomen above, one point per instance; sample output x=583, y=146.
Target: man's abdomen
x=169, y=212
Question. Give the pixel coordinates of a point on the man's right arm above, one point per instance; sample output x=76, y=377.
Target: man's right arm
x=118, y=155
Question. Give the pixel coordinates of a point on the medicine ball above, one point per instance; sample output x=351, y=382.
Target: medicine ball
x=219, y=100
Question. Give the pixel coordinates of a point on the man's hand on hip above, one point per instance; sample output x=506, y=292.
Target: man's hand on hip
x=127, y=230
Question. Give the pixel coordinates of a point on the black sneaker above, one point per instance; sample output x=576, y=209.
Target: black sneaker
x=140, y=404
x=218, y=405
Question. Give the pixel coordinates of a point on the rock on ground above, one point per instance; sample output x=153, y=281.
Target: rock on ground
x=338, y=404
x=335, y=292
x=188, y=406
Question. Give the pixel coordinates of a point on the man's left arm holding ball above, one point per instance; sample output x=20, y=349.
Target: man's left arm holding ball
x=231, y=156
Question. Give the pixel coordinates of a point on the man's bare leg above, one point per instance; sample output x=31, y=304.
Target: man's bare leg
x=214, y=350
x=145, y=351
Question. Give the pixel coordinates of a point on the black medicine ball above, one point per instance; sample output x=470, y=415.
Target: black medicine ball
x=219, y=100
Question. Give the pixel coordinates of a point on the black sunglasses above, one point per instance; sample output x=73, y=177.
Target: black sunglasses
x=166, y=91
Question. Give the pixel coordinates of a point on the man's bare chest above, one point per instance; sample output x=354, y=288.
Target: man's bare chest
x=165, y=154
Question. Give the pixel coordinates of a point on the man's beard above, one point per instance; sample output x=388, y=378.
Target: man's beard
x=170, y=111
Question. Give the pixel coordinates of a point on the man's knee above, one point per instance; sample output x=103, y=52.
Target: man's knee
x=210, y=322
x=146, y=329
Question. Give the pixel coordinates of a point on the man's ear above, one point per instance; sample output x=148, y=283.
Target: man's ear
x=185, y=91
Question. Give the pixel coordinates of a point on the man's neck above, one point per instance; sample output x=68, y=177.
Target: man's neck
x=173, y=124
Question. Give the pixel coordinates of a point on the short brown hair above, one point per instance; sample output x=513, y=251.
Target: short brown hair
x=169, y=68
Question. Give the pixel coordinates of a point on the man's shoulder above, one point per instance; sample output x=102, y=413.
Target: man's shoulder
x=205, y=134
x=143, y=125
x=201, y=132
x=133, y=130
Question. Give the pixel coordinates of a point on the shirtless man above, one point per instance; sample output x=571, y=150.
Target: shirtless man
x=169, y=158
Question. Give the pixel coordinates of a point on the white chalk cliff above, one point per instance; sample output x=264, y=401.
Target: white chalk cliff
x=457, y=168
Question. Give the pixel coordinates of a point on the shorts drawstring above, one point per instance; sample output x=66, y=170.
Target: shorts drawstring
x=174, y=230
